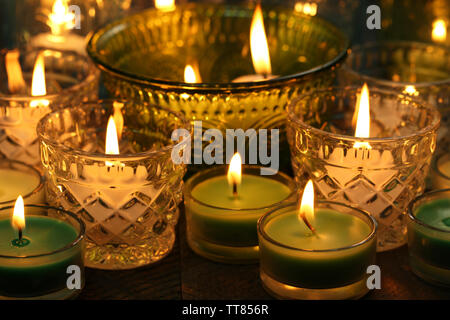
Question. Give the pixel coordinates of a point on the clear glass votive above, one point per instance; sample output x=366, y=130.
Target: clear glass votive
x=228, y=234
x=70, y=78
x=49, y=263
x=295, y=272
x=429, y=236
x=128, y=201
x=18, y=178
x=440, y=172
x=382, y=179
x=421, y=70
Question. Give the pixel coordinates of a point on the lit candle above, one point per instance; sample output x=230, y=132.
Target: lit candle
x=429, y=236
x=222, y=209
x=316, y=253
x=60, y=20
x=259, y=49
x=36, y=250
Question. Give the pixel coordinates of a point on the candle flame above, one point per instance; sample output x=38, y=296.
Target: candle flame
x=16, y=82
x=112, y=141
x=165, y=5
x=192, y=74
x=439, y=33
x=411, y=90
x=306, y=211
x=258, y=44
x=60, y=19
x=38, y=86
x=362, y=115
x=234, y=175
x=18, y=219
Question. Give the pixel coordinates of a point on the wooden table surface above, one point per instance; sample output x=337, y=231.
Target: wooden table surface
x=184, y=275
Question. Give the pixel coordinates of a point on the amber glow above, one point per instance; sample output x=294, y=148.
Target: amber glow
x=362, y=115
x=60, y=19
x=306, y=211
x=16, y=82
x=234, y=175
x=439, y=33
x=38, y=86
x=306, y=8
x=18, y=218
x=165, y=5
x=118, y=118
x=258, y=44
x=411, y=90
x=192, y=74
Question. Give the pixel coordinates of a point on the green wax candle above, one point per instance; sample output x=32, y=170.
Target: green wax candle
x=230, y=220
x=297, y=257
x=25, y=276
x=431, y=246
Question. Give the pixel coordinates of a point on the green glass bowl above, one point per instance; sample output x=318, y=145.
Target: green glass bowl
x=143, y=57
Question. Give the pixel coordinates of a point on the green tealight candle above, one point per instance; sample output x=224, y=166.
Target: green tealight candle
x=429, y=237
x=222, y=225
x=36, y=265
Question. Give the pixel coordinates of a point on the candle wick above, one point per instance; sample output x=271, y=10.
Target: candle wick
x=235, y=193
x=20, y=235
x=310, y=227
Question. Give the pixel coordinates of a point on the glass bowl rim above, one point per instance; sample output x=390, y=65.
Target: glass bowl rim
x=39, y=187
x=91, y=76
x=360, y=48
x=413, y=218
x=212, y=86
x=72, y=244
x=426, y=130
x=436, y=167
x=186, y=124
x=373, y=227
x=220, y=169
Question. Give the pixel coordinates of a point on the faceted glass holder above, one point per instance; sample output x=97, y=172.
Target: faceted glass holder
x=50, y=281
x=304, y=274
x=421, y=70
x=70, y=79
x=381, y=178
x=129, y=202
x=429, y=246
x=144, y=56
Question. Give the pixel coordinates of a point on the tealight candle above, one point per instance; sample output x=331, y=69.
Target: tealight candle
x=18, y=178
x=39, y=252
x=316, y=252
x=222, y=210
x=440, y=172
x=429, y=236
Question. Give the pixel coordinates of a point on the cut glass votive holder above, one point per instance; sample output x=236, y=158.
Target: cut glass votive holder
x=440, y=172
x=18, y=178
x=289, y=272
x=227, y=234
x=304, y=51
x=421, y=70
x=429, y=236
x=49, y=265
x=70, y=78
x=381, y=178
x=128, y=201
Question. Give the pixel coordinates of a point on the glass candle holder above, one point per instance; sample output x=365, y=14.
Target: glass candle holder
x=129, y=201
x=429, y=236
x=48, y=264
x=70, y=78
x=228, y=234
x=304, y=51
x=440, y=172
x=381, y=178
x=18, y=178
x=421, y=70
x=296, y=272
